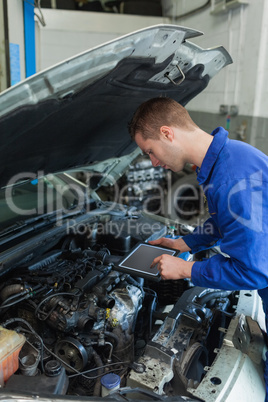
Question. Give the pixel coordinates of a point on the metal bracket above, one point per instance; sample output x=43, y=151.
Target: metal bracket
x=171, y=80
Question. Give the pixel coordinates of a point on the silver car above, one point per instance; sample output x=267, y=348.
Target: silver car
x=82, y=317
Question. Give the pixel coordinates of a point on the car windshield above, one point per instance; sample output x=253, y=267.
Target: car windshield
x=24, y=201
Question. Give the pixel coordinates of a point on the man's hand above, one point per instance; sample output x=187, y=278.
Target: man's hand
x=177, y=244
x=171, y=267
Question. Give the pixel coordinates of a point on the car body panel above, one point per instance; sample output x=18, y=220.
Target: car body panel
x=60, y=118
x=61, y=239
x=237, y=371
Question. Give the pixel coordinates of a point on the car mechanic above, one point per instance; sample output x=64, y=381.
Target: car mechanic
x=234, y=178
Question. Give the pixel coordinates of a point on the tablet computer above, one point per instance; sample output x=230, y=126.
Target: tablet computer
x=140, y=258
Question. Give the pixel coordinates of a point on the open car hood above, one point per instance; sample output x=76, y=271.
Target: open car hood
x=76, y=113
x=78, y=320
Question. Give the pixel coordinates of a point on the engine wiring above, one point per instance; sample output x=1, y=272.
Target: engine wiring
x=43, y=346
x=45, y=300
x=17, y=298
x=127, y=363
x=93, y=319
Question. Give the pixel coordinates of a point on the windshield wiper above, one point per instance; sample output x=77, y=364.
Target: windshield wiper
x=29, y=223
x=22, y=227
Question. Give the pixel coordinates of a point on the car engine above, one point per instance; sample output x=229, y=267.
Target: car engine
x=82, y=319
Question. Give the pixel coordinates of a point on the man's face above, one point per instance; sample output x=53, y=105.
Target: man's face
x=161, y=151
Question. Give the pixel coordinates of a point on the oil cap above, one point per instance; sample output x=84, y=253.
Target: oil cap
x=53, y=368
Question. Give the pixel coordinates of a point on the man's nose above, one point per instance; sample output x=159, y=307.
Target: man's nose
x=154, y=161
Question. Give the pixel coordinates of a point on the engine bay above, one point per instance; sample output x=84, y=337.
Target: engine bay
x=82, y=320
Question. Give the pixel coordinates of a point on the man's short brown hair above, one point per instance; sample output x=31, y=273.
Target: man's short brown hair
x=158, y=112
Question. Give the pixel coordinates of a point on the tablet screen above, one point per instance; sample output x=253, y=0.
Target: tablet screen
x=141, y=258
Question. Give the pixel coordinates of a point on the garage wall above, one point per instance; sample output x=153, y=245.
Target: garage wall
x=68, y=33
x=4, y=74
x=16, y=40
x=242, y=31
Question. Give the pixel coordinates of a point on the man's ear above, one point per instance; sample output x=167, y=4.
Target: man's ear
x=167, y=132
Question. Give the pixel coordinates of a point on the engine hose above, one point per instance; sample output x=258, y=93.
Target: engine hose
x=111, y=351
x=113, y=336
x=20, y=293
x=140, y=281
x=152, y=310
x=10, y=290
x=103, y=256
x=16, y=299
x=99, y=363
x=217, y=294
x=134, y=282
x=108, y=334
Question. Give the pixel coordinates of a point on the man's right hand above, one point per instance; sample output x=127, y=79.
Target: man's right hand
x=177, y=244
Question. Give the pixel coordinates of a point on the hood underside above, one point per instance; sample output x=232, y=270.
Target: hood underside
x=77, y=112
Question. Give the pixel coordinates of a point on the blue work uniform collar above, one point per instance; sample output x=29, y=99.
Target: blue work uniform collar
x=219, y=140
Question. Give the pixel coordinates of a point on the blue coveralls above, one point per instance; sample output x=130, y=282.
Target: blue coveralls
x=234, y=177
